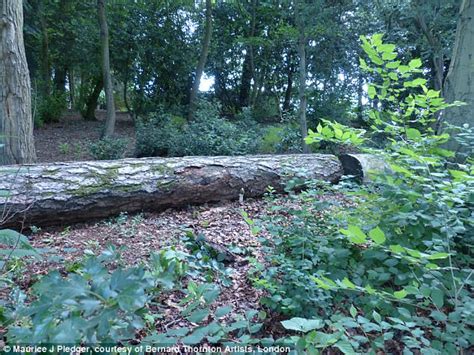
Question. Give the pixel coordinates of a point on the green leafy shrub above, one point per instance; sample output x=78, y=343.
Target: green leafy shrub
x=89, y=306
x=207, y=134
x=157, y=134
x=395, y=264
x=109, y=148
x=50, y=108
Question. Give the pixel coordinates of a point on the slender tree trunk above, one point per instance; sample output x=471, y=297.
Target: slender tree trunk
x=245, y=82
x=437, y=56
x=60, y=79
x=107, y=76
x=289, y=86
x=202, y=59
x=253, y=22
x=302, y=78
x=45, y=63
x=91, y=104
x=360, y=95
x=459, y=84
x=16, y=120
x=72, y=87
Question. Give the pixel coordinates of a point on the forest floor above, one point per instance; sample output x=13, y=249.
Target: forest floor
x=69, y=139
x=138, y=236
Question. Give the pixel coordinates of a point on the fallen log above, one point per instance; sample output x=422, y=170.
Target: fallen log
x=62, y=193
x=361, y=166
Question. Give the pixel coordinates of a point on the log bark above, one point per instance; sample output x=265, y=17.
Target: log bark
x=360, y=166
x=61, y=193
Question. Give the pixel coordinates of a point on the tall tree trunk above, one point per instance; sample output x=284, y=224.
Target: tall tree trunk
x=245, y=82
x=360, y=95
x=60, y=79
x=202, y=59
x=16, y=120
x=91, y=104
x=459, y=84
x=253, y=24
x=72, y=87
x=302, y=77
x=289, y=86
x=45, y=63
x=107, y=76
x=437, y=60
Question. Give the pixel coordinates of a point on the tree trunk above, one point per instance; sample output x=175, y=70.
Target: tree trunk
x=72, y=88
x=107, y=76
x=202, y=60
x=245, y=82
x=91, y=104
x=45, y=66
x=303, y=77
x=289, y=87
x=60, y=79
x=459, y=84
x=437, y=60
x=81, y=191
x=16, y=121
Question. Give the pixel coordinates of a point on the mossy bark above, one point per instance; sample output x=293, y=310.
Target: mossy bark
x=61, y=193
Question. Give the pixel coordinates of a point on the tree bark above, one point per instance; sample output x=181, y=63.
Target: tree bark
x=202, y=60
x=437, y=60
x=289, y=86
x=45, y=63
x=109, y=90
x=303, y=77
x=72, y=88
x=89, y=113
x=81, y=191
x=16, y=120
x=459, y=84
x=245, y=82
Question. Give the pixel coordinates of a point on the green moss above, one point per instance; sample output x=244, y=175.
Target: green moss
x=162, y=169
x=107, y=178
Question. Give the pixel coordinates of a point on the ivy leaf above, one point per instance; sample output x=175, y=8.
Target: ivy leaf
x=302, y=324
x=198, y=315
x=371, y=92
x=222, y=311
x=195, y=337
x=377, y=235
x=438, y=297
x=355, y=234
x=353, y=311
x=377, y=317
x=400, y=294
x=413, y=134
x=346, y=282
x=345, y=347
x=415, y=63
x=437, y=256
